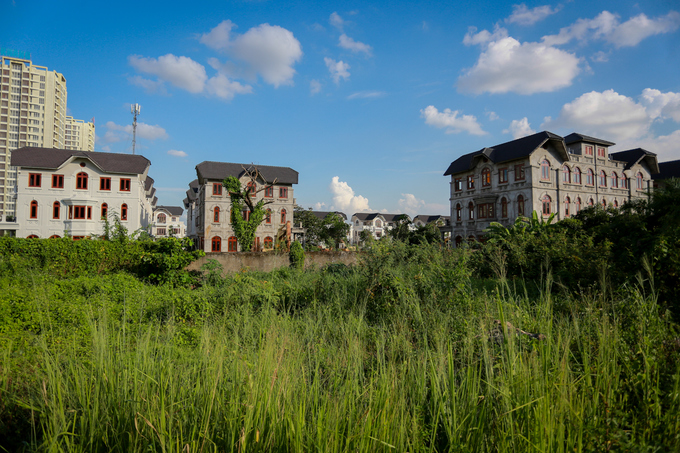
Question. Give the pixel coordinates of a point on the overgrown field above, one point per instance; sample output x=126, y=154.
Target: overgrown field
x=409, y=351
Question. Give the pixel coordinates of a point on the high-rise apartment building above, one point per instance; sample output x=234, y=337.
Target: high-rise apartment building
x=33, y=113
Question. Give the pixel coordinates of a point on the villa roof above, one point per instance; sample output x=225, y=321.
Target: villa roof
x=322, y=214
x=173, y=210
x=220, y=170
x=575, y=138
x=635, y=156
x=670, y=169
x=54, y=158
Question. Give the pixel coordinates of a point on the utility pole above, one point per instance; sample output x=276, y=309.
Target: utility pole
x=134, y=109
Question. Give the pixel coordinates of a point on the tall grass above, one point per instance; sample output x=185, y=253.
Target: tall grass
x=387, y=357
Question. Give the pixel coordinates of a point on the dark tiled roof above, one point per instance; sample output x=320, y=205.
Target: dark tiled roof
x=192, y=193
x=322, y=214
x=154, y=201
x=634, y=156
x=365, y=216
x=574, y=138
x=394, y=217
x=148, y=183
x=427, y=219
x=220, y=170
x=186, y=203
x=173, y=210
x=670, y=169
x=53, y=158
x=515, y=149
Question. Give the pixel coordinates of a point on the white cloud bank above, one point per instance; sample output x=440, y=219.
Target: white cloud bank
x=522, y=15
x=355, y=46
x=177, y=153
x=519, y=128
x=344, y=198
x=412, y=206
x=449, y=120
x=182, y=72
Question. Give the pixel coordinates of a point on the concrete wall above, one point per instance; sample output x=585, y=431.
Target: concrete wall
x=268, y=261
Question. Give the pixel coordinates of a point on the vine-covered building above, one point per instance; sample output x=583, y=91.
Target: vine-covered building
x=545, y=173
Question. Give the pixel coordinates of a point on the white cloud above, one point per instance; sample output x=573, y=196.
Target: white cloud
x=116, y=133
x=519, y=128
x=608, y=114
x=314, y=87
x=661, y=105
x=492, y=116
x=600, y=57
x=338, y=69
x=366, y=95
x=410, y=204
x=336, y=21
x=183, y=72
x=473, y=38
x=318, y=206
x=226, y=89
x=606, y=26
x=524, y=16
x=150, y=86
x=355, y=46
x=665, y=146
x=177, y=153
x=344, y=198
x=508, y=66
x=450, y=121
x=218, y=37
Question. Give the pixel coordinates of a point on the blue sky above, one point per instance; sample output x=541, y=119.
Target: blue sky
x=368, y=101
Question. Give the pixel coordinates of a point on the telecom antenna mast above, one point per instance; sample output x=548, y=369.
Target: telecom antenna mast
x=134, y=109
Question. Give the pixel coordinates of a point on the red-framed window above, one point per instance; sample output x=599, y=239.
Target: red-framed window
x=33, y=214
x=216, y=244
x=283, y=216
x=624, y=181
x=520, y=205
x=471, y=211
x=124, y=212
x=283, y=192
x=577, y=175
x=504, y=208
x=503, y=175
x=268, y=243
x=485, y=210
x=603, y=179
x=104, y=183
x=232, y=244
x=216, y=214
x=80, y=212
x=457, y=185
x=81, y=180
x=32, y=236
x=590, y=202
x=470, y=182
x=269, y=192
x=577, y=205
x=245, y=214
x=589, y=150
x=56, y=210
x=616, y=203
x=545, y=170
x=105, y=210
x=519, y=172
x=615, y=180
x=217, y=188
x=124, y=184
x=486, y=177
x=590, y=178
x=161, y=218
x=34, y=179
x=55, y=236
x=546, y=202
x=600, y=152
x=268, y=218
x=604, y=203
x=57, y=181
x=459, y=211
x=251, y=188
x=160, y=231
x=567, y=205
x=639, y=182
x=566, y=174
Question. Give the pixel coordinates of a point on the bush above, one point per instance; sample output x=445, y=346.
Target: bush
x=297, y=255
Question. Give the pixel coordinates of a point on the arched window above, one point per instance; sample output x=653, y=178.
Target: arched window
x=566, y=174
x=81, y=180
x=161, y=218
x=577, y=203
x=216, y=244
x=283, y=216
x=459, y=241
x=268, y=219
x=616, y=203
x=471, y=211
x=624, y=181
x=56, y=210
x=216, y=214
x=268, y=243
x=639, y=181
x=603, y=179
x=123, y=212
x=590, y=178
x=486, y=177
x=34, y=210
x=590, y=202
x=55, y=236
x=459, y=211
x=105, y=210
x=33, y=236
x=604, y=203
x=546, y=202
x=378, y=223
x=232, y=244
x=545, y=170
x=615, y=180
x=567, y=203
x=520, y=205
x=252, y=188
x=504, y=208
x=577, y=175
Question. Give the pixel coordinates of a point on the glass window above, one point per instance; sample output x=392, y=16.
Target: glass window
x=545, y=170
x=81, y=181
x=56, y=208
x=34, y=210
x=217, y=189
x=232, y=244
x=503, y=175
x=216, y=244
x=104, y=183
x=124, y=212
x=124, y=185
x=577, y=175
x=546, y=202
x=57, y=181
x=486, y=177
x=34, y=180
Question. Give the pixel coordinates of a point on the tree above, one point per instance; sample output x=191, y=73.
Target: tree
x=401, y=230
x=242, y=199
x=334, y=229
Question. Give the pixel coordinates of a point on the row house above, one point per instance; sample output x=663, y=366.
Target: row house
x=377, y=224
x=167, y=222
x=442, y=222
x=211, y=213
x=545, y=173
x=67, y=192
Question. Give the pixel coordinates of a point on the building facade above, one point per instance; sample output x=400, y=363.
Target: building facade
x=64, y=192
x=375, y=223
x=211, y=212
x=545, y=173
x=33, y=114
x=167, y=222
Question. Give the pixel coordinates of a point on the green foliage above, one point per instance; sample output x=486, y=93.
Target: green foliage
x=329, y=231
x=244, y=230
x=297, y=255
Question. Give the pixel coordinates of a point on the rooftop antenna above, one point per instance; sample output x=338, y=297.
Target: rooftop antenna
x=134, y=109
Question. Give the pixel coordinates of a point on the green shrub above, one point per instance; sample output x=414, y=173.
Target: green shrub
x=297, y=255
